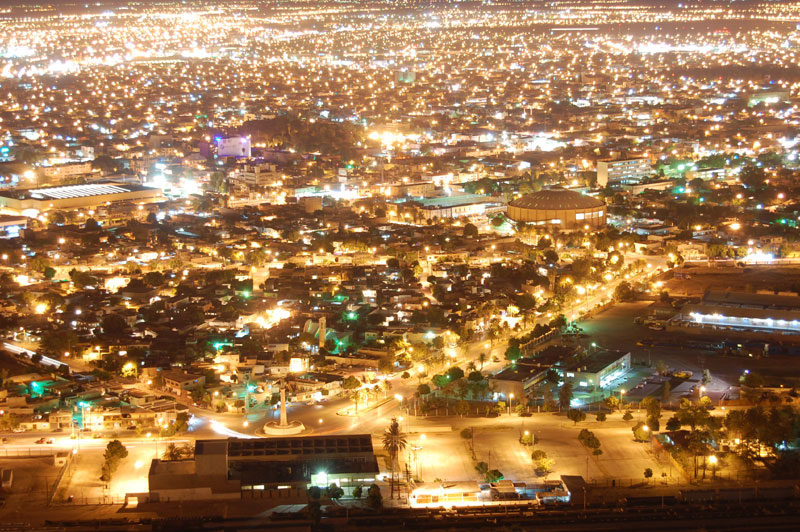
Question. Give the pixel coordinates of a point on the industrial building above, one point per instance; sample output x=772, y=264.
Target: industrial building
x=35, y=200
x=459, y=205
x=597, y=372
x=264, y=467
x=615, y=172
x=743, y=311
x=566, y=210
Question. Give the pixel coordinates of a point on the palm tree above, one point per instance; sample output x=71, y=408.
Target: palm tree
x=482, y=359
x=173, y=452
x=394, y=442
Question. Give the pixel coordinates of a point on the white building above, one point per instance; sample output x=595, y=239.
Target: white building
x=258, y=175
x=622, y=171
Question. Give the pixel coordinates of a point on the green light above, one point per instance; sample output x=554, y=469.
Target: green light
x=246, y=294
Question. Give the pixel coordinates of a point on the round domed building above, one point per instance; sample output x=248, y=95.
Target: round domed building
x=559, y=208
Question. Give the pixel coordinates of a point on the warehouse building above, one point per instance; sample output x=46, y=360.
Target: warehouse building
x=35, y=200
x=264, y=467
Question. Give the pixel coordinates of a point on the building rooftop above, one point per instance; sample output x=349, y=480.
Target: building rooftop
x=556, y=199
x=71, y=191
x=747, y=299
x=596, y=363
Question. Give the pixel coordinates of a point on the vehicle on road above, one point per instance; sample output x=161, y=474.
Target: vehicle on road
x=50, y=441
x=40, y=441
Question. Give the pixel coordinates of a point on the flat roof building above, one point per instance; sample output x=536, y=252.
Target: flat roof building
x=597, y=372
x=744, y=311
x=35, y=200
x=237, y=467
x=617, y=172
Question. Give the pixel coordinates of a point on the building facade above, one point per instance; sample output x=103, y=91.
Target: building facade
x=617, y=172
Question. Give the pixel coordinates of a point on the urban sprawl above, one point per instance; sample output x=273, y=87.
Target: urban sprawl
x=373, y=265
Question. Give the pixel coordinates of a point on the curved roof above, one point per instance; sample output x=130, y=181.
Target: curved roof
x=557, y=199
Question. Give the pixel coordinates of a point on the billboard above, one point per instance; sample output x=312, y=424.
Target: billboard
x=233, y=146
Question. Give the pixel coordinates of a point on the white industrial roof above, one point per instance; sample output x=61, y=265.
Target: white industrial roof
x=76, y=191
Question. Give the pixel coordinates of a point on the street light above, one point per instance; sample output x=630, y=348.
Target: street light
x=510, y=399
x=713, y=461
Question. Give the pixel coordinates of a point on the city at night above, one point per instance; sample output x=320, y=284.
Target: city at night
x=356, y=265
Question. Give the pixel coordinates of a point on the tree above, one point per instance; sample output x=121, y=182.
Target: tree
x=394, y=442
x=176, y=452
x=627, y=416
x=543, y=466
x=601, y=416
x=512, y=353
x=335, y=492
x=673, y=424
x=454, y=373
x=648, y=473
x=58, y=342
x=475, y=377
x=423, y=390
x=665, y=393
x=611, y=402
x=753, y=380
x=482, y=360
x=374, y=497
x=565, y=395
x=576, y=415
x=470, y=231
x=181, y=422
x=623, y=292
x=115, y=452
x=358, y=491
x=590, y=441
x=113, y=324
x=91, y=225
x=440, y=381
x=314, y=509
x=641, y=432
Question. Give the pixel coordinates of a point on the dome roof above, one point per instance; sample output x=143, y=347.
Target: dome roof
x=557, y=199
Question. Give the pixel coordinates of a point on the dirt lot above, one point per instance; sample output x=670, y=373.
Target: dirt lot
x=32, y=478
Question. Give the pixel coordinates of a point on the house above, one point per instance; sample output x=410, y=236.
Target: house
x=181, y=383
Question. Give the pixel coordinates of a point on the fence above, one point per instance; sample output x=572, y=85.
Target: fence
x=641, y=482
x=108, y=500
x=29, y=452
x=69, y=465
